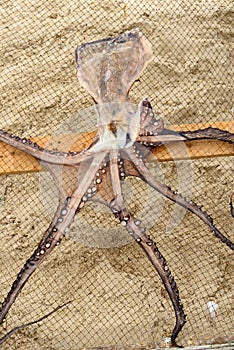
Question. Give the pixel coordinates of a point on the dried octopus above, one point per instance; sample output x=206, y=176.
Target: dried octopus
x=107, y=69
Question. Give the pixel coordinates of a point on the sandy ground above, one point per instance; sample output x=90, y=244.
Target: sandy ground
x=117, y=299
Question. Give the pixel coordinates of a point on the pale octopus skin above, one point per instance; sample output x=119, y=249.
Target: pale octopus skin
x=107, y=69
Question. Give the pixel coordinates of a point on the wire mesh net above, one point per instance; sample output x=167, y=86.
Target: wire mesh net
x=116, y=297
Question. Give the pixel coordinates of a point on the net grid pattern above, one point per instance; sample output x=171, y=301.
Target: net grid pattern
x=117, y=299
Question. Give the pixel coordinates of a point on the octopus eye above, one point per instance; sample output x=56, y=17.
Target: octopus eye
x=112, y=127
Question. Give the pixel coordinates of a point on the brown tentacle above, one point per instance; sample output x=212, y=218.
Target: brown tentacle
x=159, y=262
x=137, y=231
x=52, y=237
x=149, y=125
x=176, y=197
x=25, y=325
x=157, y=140
x=209, y=133
x=42, y=154
x=167, y=135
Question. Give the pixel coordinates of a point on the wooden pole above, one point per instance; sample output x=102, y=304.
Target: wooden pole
x=13, y=161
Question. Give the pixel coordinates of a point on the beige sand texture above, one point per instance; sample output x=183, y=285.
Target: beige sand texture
x=117, y=298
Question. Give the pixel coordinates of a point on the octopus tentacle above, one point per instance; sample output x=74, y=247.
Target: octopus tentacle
x=117, y=203
x=50, y=239
x=25, y=325
x=137, y=231
x=42, y=154
x=149, y=246
x=62, y=219
x=208, y=133
x=176, y=197
x=167, y=135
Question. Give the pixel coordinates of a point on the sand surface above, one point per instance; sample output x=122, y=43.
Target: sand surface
x=117, y=298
